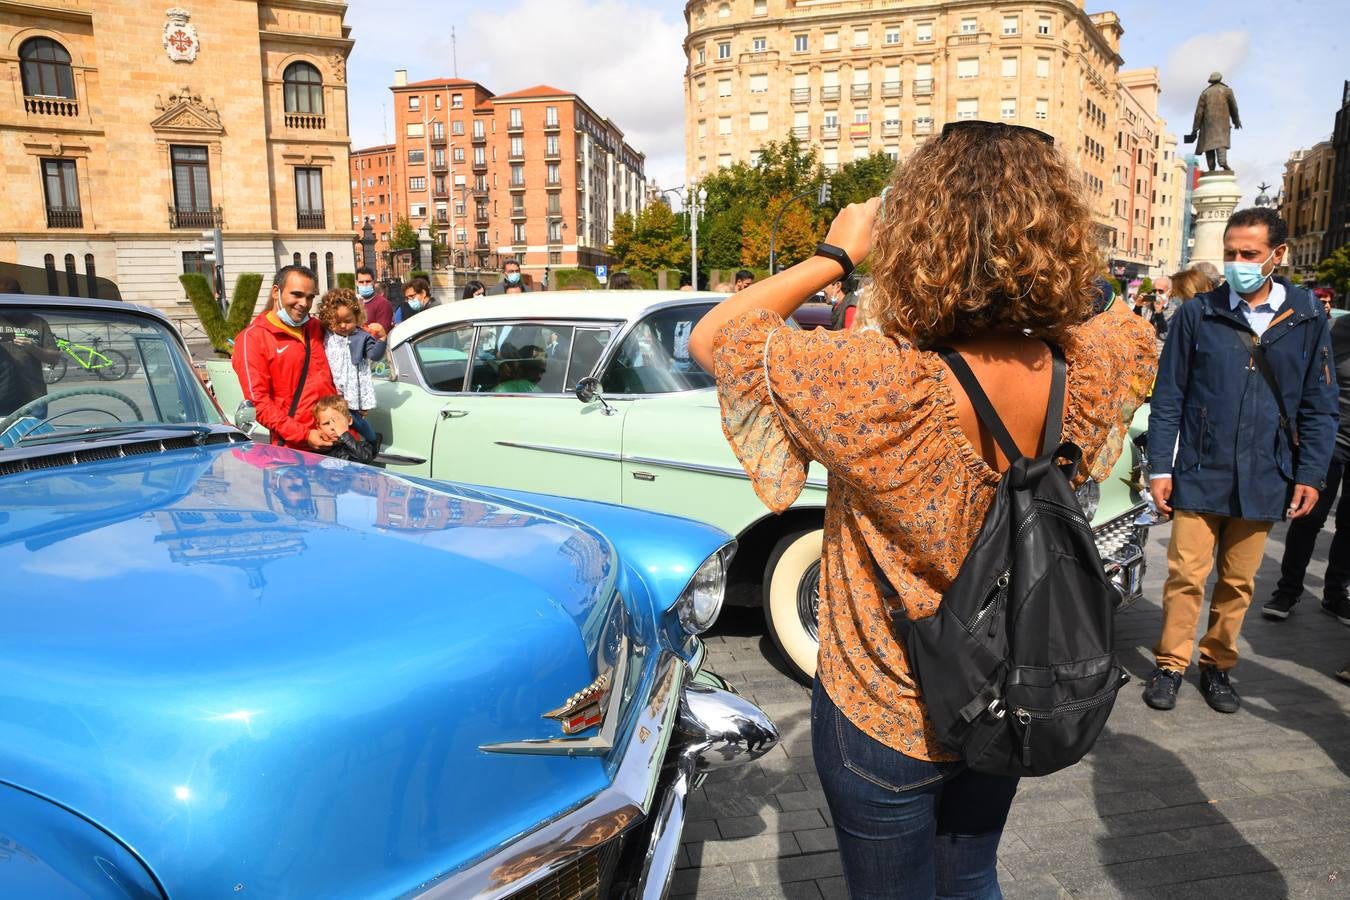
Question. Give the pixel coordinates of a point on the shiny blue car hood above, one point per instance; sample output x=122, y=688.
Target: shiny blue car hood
x=183, y=663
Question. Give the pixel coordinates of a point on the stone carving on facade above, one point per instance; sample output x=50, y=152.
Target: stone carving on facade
x=180, y=36
x=339, y=67
x=186, y=111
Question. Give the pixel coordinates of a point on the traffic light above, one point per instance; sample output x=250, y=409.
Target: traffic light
x=823, y=198
x=215, y=255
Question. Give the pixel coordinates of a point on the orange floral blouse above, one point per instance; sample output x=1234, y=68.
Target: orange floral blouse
x=880, y=416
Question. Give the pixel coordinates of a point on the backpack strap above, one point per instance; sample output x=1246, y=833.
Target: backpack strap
x=1054, y=413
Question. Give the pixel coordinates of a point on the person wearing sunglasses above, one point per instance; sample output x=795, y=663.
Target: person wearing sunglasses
x=989, y=249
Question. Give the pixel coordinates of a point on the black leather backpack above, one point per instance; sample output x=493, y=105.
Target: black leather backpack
x=1016, y=666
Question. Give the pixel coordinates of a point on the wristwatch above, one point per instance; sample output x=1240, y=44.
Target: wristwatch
x=830, y=251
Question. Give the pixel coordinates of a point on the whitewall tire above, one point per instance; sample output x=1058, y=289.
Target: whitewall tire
x=792, y=598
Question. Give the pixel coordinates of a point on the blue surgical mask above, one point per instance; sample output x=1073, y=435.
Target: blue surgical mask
x=1246, y=277
x=365, y=291
x=281, y=314
x=415, y=304
x=513, y=278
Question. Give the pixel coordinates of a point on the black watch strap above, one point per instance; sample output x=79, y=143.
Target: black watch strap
x=830, y=251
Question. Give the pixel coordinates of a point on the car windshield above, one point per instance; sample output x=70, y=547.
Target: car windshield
x=68, y=372
x=654, y=357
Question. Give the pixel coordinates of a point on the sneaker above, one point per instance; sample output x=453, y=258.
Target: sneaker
x=1161, y=690
x=1279, y=607
x=1344, y=673
x=1219, y=693
x=1339, y=608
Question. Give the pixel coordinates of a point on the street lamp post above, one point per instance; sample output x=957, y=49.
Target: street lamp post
x=697, y=197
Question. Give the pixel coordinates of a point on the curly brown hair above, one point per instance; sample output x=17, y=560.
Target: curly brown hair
x=987, y=230
x=334, y=300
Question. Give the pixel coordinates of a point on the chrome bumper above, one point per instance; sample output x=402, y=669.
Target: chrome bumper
x=689, y=726
x=1120, y=543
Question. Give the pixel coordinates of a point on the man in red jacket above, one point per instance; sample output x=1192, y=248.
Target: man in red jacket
x=281, y=363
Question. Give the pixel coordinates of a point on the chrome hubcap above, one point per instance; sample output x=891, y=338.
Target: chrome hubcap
x=808, y=600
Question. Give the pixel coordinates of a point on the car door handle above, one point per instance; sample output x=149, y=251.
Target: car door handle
x=644, y=476
x=454, y=413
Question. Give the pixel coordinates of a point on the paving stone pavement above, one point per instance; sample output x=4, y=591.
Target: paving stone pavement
x=1183, y=804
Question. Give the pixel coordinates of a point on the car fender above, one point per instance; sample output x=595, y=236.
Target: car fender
x=49, y=851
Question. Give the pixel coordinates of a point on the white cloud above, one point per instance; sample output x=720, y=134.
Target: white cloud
x=623, y=58
x=1186, y=72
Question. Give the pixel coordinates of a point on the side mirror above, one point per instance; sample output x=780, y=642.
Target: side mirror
x=588, y=391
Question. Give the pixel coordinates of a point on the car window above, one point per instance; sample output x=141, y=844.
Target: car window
x=521, y=358
x=587, y=347
x=444, y=357
x=67, y=371
x=654, y=357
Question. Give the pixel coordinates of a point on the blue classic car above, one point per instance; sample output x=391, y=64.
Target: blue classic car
x=236, y=670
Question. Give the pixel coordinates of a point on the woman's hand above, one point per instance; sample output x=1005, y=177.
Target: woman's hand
x=851, y=230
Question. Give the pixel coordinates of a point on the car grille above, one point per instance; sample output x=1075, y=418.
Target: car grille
x=1113, y=536
x=585, y=878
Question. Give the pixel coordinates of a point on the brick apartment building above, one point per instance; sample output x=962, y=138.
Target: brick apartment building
x=536, y=175
x=377, y=196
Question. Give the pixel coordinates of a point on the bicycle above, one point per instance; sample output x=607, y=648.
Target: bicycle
x=109, y=364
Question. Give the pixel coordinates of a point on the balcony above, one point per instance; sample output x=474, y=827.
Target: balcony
x=441, y=192
x=517, y=212
x=195, y=218
x=306, y=121
x=923, y=86
x=515, y=127
x=64, y=217
x=517, y=186
x=480, y=165
x=801, y=95
x=860, y=132
x=479, y=137
x=829, y=132
x=442, y=218
x=965, y=40
x=801, y=132
x=480, y=192
x=480, y=218
x=829, y=93
x=890, y=89
x=552, y=126
x=438, y=138
x=554, y=154
x=309, y=218
x=923, y=126
x=890, y=129
x=440, y=165
x=860, y=91
x=51, y=106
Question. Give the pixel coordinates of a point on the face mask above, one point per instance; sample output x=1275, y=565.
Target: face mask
x=1246, y=277
x=365, y=291
x=513, y=278
x=281, y=314
x=415, y=305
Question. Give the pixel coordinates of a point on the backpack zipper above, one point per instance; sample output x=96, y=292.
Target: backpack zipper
x=1326, y=367
x=1000, y=586
x=1024, y=715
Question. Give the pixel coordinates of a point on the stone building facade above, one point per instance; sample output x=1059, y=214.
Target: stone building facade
x=1305, y=206
x=1338, y=222
x=535, y=175
x=857, y=77
x=128, y=131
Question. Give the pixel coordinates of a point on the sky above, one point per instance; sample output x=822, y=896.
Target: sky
x=624, y=58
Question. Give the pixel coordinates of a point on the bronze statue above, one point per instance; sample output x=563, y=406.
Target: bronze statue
x=1210, y=131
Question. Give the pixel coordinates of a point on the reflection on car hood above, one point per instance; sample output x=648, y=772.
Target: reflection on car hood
x=260, y=668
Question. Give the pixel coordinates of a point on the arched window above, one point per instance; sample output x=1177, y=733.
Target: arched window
x=314, y=267
x=46, y=69
x=90, y=275
x=72, y=277
x=296, y=259
x=328, y=271
x=304, y=89
x=49, y=263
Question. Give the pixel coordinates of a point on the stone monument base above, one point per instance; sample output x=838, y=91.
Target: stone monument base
x=1214, y=201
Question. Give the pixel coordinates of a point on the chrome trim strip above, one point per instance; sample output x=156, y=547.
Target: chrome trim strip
x=537, y=853
x=707, y=469
x=605, y=455
x=658, y=870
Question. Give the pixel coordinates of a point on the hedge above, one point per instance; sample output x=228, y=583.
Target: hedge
x=347, y=280
x=221, y=329
x=573, y=280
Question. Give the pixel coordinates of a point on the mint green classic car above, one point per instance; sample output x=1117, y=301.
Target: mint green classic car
x=594, y=395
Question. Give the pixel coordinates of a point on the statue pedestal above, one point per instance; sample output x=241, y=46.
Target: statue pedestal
x=1214, y=201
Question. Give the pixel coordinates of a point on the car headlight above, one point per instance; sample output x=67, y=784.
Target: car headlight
x=701, y=602
x=1089, y=495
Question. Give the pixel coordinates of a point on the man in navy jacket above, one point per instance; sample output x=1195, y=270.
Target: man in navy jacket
x=1244, y=459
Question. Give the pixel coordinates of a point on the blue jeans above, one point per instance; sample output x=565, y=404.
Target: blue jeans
x=907, y=828
x=363, y=427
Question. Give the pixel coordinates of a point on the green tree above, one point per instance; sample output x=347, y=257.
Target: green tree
x=623, y=236
x=859, y=180
x=658, y=241
x=1335, y=270
x=799, y=231
x=719, y=240
x=404, y=236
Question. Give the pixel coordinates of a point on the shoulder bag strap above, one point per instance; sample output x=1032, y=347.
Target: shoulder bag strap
x=1054, y=410
x=304, y=374
x=1258, y=355
x=980, y=401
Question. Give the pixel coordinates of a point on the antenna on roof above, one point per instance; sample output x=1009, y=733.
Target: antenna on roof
x=454, y=52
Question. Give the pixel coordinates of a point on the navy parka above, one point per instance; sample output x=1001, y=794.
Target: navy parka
x=1233, y=458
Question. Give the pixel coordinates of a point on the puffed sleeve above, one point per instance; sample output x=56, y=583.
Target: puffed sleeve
x=1112, y=361
x=789, y=397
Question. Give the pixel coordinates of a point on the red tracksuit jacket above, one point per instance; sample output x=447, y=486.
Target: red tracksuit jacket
x=268, y=358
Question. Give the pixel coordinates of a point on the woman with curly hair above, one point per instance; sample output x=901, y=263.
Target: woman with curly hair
x=351, y=345
x=989, y=250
